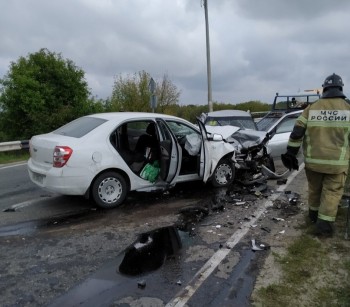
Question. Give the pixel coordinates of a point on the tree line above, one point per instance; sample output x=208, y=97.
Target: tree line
x=43, y=91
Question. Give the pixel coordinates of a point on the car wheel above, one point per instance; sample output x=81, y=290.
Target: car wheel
x=224, y=174
x=109, y=190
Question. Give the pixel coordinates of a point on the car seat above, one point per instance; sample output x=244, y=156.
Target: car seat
x=147, y=146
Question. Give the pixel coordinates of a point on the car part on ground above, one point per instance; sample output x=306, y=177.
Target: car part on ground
x=273, y=175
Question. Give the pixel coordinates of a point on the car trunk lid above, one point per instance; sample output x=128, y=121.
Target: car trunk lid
x=42, y=148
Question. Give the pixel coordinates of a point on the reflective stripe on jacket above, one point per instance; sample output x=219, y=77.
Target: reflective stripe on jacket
x=323, y=129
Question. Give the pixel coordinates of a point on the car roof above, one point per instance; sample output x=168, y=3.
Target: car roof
x=297, y=95
x=130, y=115
x=280, y=113
x=229, y=113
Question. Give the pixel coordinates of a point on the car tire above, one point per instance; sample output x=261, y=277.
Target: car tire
x=109, y=190
x=224, y=174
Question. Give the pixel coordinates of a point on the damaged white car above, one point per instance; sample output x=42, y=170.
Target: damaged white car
x=251, y=157
x=104, y=156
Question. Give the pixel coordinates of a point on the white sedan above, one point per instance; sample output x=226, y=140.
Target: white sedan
x=104, y=156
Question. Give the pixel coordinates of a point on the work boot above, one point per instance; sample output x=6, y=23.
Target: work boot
x=323, y=228
x=313, y=215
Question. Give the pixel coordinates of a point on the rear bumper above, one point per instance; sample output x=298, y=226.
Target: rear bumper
x=64, y=180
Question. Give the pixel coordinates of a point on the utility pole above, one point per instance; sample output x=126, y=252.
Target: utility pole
x=210, y=103
x=152, y=89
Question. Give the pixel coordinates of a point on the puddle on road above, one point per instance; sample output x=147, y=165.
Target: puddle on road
x=141, y=262
x=135, y=273
x=150, y=251
x=30, y=227
x=123, y=276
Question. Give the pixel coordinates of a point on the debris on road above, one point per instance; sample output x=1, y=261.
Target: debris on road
x=141, y=284
x=255, y=247
x=282, y=181
x=9, y=210
x=278, y=219
x=265, y=228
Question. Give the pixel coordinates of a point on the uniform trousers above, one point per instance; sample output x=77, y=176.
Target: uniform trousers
x=325, y=193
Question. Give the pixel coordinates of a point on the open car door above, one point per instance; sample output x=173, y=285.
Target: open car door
x=214, y=149
x=171, y=153
x=204, y=167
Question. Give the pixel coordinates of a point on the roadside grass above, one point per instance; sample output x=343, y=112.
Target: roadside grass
x=14, y=156
x=314, y=271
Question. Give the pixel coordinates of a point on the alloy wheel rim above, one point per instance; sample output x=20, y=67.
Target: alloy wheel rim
x=223, y=174
x=110, y=190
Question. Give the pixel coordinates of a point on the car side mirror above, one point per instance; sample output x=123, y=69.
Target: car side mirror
x=217, y=137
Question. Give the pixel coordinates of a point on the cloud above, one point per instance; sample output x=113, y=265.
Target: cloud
x=256, y=47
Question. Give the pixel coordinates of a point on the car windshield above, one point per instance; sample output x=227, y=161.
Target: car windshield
x=242, y=122
x=294, y=102
x=80, y=127
x=265, y=123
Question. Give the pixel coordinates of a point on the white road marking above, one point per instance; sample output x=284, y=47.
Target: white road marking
x=184, y=295
x=13, y=165
x=28, y=203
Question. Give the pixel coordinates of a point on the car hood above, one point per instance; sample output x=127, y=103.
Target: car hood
x=225, y=131
x=232, y=134
x=248, y=138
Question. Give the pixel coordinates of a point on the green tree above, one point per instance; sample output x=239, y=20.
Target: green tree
x=40, y=93
x=131, y=93
x=167, y=95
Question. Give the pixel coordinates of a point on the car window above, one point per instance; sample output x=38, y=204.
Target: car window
x=286, y=125
x=135, y=130
x=180, y=129
x=242, y=122
x=80, y=127
x=138, y=125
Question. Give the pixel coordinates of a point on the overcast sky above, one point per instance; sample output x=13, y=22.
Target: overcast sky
x=258, y=47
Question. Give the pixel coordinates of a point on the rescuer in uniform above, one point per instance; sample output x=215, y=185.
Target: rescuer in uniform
x=323, y=130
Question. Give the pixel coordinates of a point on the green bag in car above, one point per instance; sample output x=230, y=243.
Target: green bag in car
x=150, y=171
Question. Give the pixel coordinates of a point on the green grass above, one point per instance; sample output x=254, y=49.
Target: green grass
x=314, y=272
x=14, y=156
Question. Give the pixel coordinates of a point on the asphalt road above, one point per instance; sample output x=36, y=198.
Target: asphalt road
x=191, y=246
x=15, y=186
